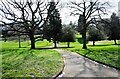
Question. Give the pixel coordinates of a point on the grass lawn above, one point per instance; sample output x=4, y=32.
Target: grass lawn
x=23, y=62
x=25, y=44
x=104, y=51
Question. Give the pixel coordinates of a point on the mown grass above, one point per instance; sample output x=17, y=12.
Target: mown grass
x=23, y=62
x=43, y=43
x=24, y=44
x=104, y=51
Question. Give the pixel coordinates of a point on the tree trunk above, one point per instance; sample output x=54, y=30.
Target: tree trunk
x=84, y=39
x=55, y=44
x=5, y=39
x=115, y=42
x=93, y=43
x=32, y=39
x=19, y=41
x=68, y=44
x=28, y=43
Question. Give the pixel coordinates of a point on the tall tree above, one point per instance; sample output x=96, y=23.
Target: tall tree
x=88, y=11
x=27, y=14
x=53, y=28
x=114, y=28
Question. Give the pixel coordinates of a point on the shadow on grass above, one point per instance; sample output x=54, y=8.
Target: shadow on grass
x=66, y=47
x=43, y=48
x=100, y=45
x=91, y=52
x=88, y=52
x=100, y=51
x=23, y=47
x=80, y=40
x=84, y=52
x=104, y=45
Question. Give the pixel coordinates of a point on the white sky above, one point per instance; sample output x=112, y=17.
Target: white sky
x=65, y=13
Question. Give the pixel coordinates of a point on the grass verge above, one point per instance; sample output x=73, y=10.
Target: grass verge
x=23, y=62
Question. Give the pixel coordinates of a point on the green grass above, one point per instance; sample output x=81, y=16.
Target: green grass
x=14, y=44
x=25, y=44
x=78, y=35
x=43, y=43
x=104, y=51
x=22, y=62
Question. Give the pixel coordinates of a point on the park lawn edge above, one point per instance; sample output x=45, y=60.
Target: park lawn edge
x=60, y=65
x=61, y=69
x=115, y=48
x=97, y=61
x=93, y=59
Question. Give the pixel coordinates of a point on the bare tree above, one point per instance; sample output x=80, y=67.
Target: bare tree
x=88, y=12
x=28, y=15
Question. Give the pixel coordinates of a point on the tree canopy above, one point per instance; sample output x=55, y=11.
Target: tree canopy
x=68, y=34
x=53, y=27
x=95, y=34
x=114, y=28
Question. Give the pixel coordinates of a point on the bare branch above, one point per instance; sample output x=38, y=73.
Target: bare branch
x=91, y=9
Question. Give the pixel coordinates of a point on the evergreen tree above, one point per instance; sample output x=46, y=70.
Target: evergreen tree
x=114, y=28
x=53, y=28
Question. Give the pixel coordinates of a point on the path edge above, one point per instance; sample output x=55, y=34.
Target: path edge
x=62, y=69
x=116, y=68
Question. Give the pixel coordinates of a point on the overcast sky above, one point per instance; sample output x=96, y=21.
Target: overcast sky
x=65, y=13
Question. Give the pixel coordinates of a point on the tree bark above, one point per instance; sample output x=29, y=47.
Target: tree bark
x=32, y=39
x=55, y=44
x=19, y=41
x=115, y=42
x=28, y=43
x=5, y=39
x=68, y=44
x=93, y=43
x=84, y=39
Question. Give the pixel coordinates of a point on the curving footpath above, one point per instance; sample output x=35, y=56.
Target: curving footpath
x=79, y=66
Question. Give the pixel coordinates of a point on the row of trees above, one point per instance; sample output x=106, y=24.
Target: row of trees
x=90, y=13
x=37, y=17
x=107, y=29
x=29, y=16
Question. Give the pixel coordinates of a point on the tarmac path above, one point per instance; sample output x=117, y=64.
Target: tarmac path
x=79, y=66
